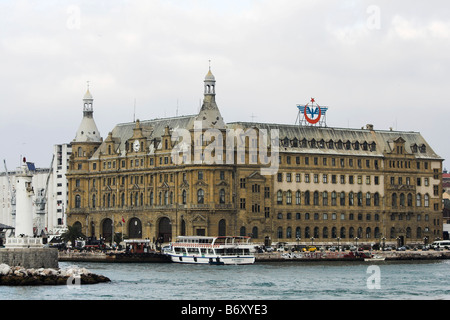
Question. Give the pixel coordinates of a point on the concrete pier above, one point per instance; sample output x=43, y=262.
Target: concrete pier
x=30, y=257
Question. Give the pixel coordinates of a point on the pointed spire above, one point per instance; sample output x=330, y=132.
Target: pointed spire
x=209, y=113
x=88, y=131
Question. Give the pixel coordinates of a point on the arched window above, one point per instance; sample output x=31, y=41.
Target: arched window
x=333, y=198
x=342, y=198
x=280, y=233
x=402, y=199
x=316, y=198
x=376, y=199
x=222, y=228
x=325, y=233
x=200, y=196
x=368, y=199
x=307, y=198
x=334, y=233
x=289, y=232
x=377, y=233
x=392, y=233
x=394, y=200
x=242, y=232
x=360, y=201
x=418, y=200
x=368, y=233
x=325, y=198
x=419, y=233
x=151, y=198
x=289, y=197
x=351, y=233
x=410, y=200
x=351, y=199
x=307, y=233
x=255, y=233
x=360, y=233
x=222, y=196
x=298, y=233
x=316, y=233
x=298, y=198
x=408, y=233
x=94, y=200
x=280, y=197
x=77, y=201
x=184, y=197
x=342, y=233
x=426, y=200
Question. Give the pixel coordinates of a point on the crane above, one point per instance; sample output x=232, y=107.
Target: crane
x=12, y=191
x=41, y=199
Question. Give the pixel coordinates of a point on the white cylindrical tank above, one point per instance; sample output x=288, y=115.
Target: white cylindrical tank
x=24, y=203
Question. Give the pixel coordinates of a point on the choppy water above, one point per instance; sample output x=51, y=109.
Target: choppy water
x=263, y=281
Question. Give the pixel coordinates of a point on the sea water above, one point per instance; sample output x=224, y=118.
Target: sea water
x=261, y=281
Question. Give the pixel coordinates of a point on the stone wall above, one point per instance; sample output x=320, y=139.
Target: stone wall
x=30, y=258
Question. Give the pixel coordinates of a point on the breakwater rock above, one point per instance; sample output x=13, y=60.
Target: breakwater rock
x=19, y=276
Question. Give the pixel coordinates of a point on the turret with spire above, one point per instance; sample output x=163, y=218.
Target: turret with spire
x=209, y=114
x=88, y=131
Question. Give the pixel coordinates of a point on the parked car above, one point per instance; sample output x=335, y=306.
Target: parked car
x=387, y=249
x=403, y=248
x=269, y=249
x=332, y=249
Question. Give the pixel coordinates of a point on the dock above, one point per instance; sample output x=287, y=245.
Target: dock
x=156, y=257
x=344, y=256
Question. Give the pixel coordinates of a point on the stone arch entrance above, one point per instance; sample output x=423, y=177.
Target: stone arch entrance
x=222, y=228
x=165, y=230
x=135, y=229
x=107, y=230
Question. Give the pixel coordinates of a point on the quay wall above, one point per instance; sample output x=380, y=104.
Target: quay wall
x=340, y=256
x=266, y=257
x=29, y=257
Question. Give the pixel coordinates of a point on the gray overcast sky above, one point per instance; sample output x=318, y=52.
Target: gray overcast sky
x=380, y=62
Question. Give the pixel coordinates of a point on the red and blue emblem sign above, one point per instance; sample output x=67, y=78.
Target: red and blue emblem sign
x=312, y=113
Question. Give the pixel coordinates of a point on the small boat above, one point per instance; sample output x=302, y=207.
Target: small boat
x=211, y=250
x=375, y=258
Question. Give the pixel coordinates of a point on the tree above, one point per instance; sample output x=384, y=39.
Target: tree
x=72, y=233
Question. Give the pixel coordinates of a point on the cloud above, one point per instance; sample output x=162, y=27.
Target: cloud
x=267, y=57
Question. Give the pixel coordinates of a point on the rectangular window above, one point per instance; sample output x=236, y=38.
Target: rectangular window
x=288, y=177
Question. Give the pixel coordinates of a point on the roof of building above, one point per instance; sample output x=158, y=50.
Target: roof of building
x=371, y=142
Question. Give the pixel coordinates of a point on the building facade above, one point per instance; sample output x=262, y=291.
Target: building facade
x=330, y=184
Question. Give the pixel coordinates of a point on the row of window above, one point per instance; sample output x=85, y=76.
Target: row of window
x=137, y=199
x=350, y=216
x=289, y=177
x=351, y=199
x=325, y=161
x=333, y=233
x=330, y=144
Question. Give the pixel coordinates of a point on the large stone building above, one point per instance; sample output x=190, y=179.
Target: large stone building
x=330, y=184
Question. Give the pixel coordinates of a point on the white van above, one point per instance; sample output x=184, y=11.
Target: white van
x=441, y=244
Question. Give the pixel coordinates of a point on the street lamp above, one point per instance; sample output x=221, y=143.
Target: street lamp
x=356, y=243
x=384, y=242
x=312, y=241
x=339, y=248
x=298, y=243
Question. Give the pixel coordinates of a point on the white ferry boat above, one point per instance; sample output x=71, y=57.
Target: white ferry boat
x=212, y=250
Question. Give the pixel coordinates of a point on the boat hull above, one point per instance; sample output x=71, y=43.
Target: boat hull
x=213, y=260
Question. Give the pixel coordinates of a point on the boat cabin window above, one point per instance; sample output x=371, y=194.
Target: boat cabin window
x=179, y=250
